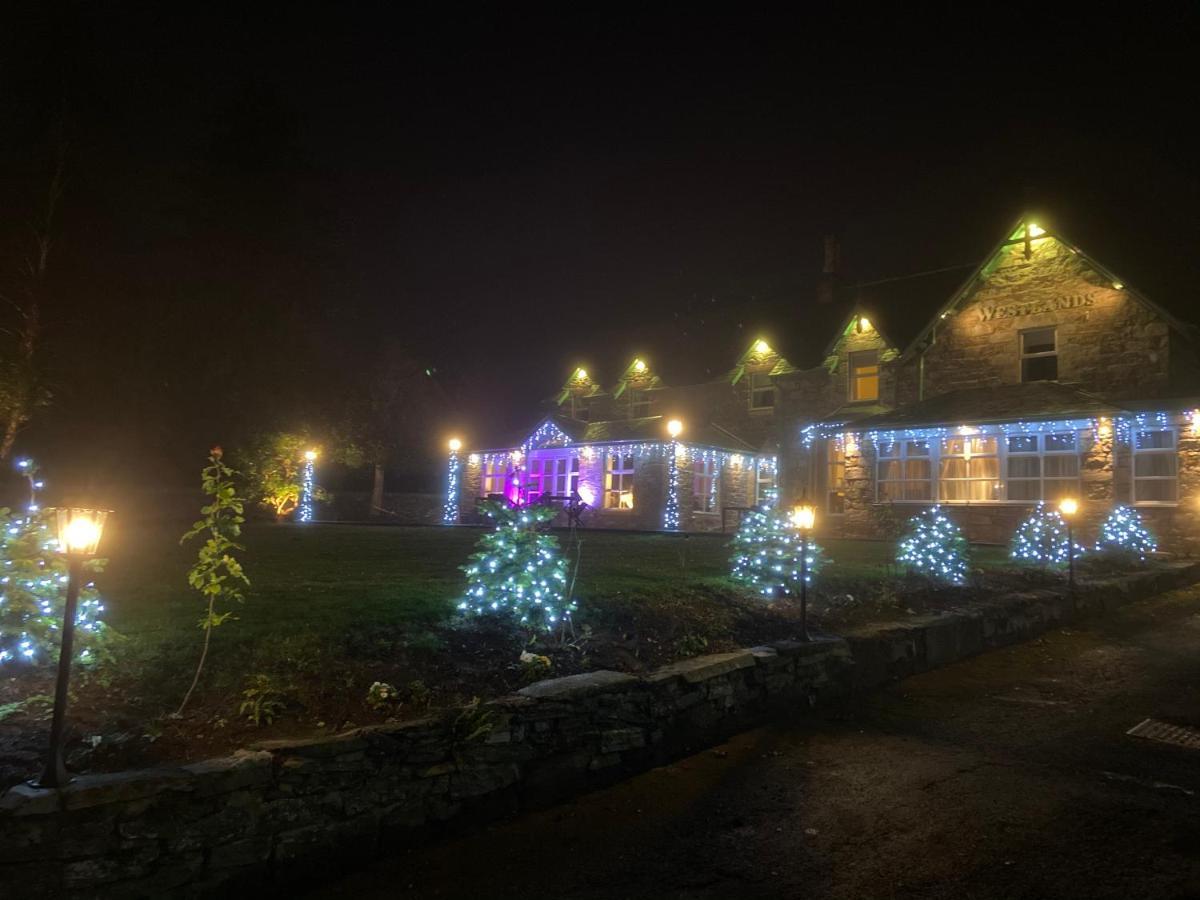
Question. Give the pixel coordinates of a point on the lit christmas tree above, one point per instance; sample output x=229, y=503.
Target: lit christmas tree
x=1124, y=534
x=517, y=570
x=935, y=547
x=766, y=552
x=1042, y=538
x=33, y=588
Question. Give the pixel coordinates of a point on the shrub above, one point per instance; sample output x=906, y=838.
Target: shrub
x=935, y=546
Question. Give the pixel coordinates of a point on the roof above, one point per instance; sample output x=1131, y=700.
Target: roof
x=648, y=429
x=1037, y=400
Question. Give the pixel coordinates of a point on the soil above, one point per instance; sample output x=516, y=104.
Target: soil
x=118, y=720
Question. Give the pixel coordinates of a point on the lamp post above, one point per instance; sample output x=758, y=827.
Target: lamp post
x=803, y=519
x=79, y=533
x=1069, y=506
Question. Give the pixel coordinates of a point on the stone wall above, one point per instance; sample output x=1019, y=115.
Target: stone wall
x=288, y=811
x=293, y=812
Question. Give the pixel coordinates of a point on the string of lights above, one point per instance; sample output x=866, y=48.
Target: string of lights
x=935, y=546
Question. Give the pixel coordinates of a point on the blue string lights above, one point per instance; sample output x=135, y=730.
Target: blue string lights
x=308, y=486
x=453, y=465
x=517, y=570
x=935, y=546
x=1042, y=538
x=1123, y=533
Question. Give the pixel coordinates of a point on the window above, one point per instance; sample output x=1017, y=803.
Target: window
x=970, y=469
x=580, y=408
x=762, y=391
x=837, y=478
x=704, y=484
x=1155, y=467
x=618, y=481
x=639, y=404
x=495, y=475
x=557, y=476
x=764, y=479
x=1042, y=466
x=864, y=375
x=904, y=471
x=1039, y=355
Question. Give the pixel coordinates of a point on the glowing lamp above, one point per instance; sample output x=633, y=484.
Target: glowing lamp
x=455, y=445
x=804, y=517
x=864, y=324
x=761, y=346
x=581, y=373
x=310, y=455
x=1118, y=286
x=79, y=530
x=674, y=427
x=1068, y=506
x=1036, y=230
x=639, y=366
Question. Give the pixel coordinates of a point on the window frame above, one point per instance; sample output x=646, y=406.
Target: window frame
x=1038, y=355
x=623, y=477
x=1171, y=452
x=754, y=384
x=835, y=484
x=706, y=474
x=903, y=456
x=640, y=403
x=761, y=484
x=489, y=473
x=1041, y=454
x=556, y=468
x=853, y=370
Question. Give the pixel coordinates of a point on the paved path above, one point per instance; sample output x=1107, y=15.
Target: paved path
x=1008, y=775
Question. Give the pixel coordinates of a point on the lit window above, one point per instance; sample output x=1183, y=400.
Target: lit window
x=618, y=481
x=762, y=391
x=864, y=375
x=904, y=471
x=495, y=476
x=1039, y=355
x=557, y=476
x=837, y=478
x=764, y=480
x=639, y=404
x=970, y=469
x=1155, y=467
x=1042, y=466
x=704, y=484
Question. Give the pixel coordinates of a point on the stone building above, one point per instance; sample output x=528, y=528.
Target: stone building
x=1041, y=376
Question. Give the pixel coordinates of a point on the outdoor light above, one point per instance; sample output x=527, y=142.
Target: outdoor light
x=581, y=374
x=310, y=455
x=1036, y=230
x=864, y=324
x=79, y=532
x=674, y=427
x=1118, y=286
x=803, y=518
x=455, y=445
x=1068, y=506
x=639, y=366
x=761, y=346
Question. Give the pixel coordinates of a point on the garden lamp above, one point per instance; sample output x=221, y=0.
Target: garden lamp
x=79, y=532
x=1069, y=506
x=804, y=517
x=674, y=428
x=455, y=445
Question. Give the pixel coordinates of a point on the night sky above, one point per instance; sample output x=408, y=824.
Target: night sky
x=258, y=203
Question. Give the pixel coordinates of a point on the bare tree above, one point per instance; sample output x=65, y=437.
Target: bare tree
x=22, y=389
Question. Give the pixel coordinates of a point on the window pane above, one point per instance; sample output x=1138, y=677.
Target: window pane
x=918, y=448
x=1039, y=368
x=917, y=469
x=983, y=446
x=889, y=470
x=1040, y=340
x=1024, y=467
x=1155, y=491
x=1022, y=443
x=891, y=449
x=953, y=467
x=1062, y=466
x=1024, y=490
x=1161, y=465
x=918, y=490
x=1155, y=440
x=953, y=446
x=953, y=490
x=1060, y=442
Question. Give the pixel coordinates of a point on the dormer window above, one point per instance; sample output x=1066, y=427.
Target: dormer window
x=1039, y=355
x=579, y=408
x=864, y=375
x=639, y=404
x=762, y=391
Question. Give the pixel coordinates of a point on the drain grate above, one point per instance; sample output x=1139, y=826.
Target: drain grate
x=1166, y=733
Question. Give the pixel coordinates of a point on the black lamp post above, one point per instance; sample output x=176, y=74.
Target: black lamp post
x=79, y=533
x=803, y=519
x=1068, y=507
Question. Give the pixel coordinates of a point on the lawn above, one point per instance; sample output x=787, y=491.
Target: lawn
x=334, y=608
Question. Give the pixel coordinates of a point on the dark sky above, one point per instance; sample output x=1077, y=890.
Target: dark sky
x=259, y=202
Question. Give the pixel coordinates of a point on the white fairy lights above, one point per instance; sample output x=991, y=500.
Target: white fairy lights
x=935, y=546
x=1123, y=532
x=450, y=507
x=308, y=486
x=1042, y=538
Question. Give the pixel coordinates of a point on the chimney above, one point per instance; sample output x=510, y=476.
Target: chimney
x=827, y=286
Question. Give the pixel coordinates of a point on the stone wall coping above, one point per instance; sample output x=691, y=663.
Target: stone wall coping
x=584, y=684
